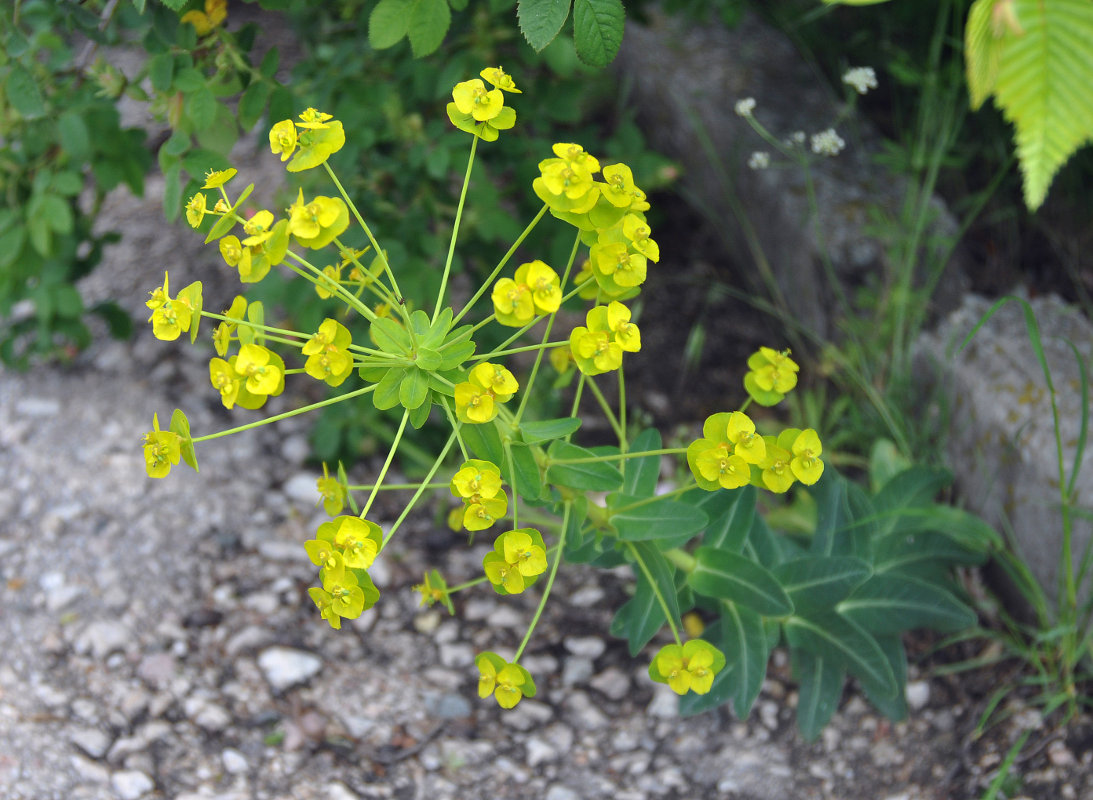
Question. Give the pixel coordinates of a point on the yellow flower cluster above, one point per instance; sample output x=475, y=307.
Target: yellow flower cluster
x=481, y=111
x=689, y=667
x=249, y=378
x=309, y=142
x=517, y=560
x=534, y=290
x=328, y=356
x=598, y=347
x=173, y=316
x=478, y=398
x=508, y=683
x=343, y=549
x=771, y=375
x=478, y=484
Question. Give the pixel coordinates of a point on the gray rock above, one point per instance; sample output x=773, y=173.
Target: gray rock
x=918, y=694
x=559, y=792
x=665, y=703
x=92, y=741
x=285, y=667
x=206, y=714
x=235, y=763
x=613, y=682
x=38, y=407
x=447, y=705
x=576, y=670
x=585, y=646
x=1001, y=443
x=101, y=638
x=131, y=784
x=302, y=488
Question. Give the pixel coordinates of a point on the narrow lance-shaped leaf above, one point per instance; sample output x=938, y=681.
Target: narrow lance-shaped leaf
x=728, y=576
x=820, y=685
x=833, y=637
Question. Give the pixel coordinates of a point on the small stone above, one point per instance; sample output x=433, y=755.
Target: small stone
x=250, y=638
x=665, y=703
x=157, y=669
x=768, y=714
x=539, y=752
x=206, y=714
x=427, y=621
x=295, y=449
x=449, y=705
x=38, y=407
x=457, y=654
x=559, y=792
x=90, y=770
x=235, y=763
x=101, y=638
x=91, y=740
x=1059, y=755
x=586, y=597
x=302, y=488
x=612, y=682
x=277, y=550
x=336, y=790
x=285, y=667
x=585, y=646
x=918, y=695
x=576, y=670
x=527, y=715
x=584, y=714
x=131, y=784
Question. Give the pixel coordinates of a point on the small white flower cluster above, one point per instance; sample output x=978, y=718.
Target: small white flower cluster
x=861, y=78
x=759, y=160
x=827, y=143
x=745, y=107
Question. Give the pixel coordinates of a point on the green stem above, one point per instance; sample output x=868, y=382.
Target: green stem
x=666, y=451
x=455, y=231
x=265, y=329
x=386, y=464
x=549, y=585
x=682, y=559
x=656, y=591
x=364, y=487
x=420, y=491
x=347, y=296
x=606, y=408
x=278, y=417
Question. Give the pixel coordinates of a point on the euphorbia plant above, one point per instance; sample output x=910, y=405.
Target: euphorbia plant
x=696, y=545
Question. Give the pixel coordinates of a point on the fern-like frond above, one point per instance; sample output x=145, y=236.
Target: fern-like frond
x=1036, y=58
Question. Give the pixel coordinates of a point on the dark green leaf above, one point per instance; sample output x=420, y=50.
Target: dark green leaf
x=841, y=641
x=922, y=554
x=201, y=107
x=386, y=394
x=117, y=320
x=642, y=616
x=832, y=515
x=729, y=576
x=820, y=686
x=189, y=80
x=814, y=583
x=642, y=518
x=484, y=442
x=597, y=30
x=270, y=61
x=23, y=93
x=892, y=706
x=740, y=635
x=74, y=136
x=641, y=475
x=891, y=603
x=525, y=477
x=172, y=192
x=252, y=104
x=547, y=429
x=595, y=476
x=541, y=20
x=161, y=71
x=731, y=516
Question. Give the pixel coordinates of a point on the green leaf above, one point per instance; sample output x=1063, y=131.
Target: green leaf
x=596, y=476
x=922, y=555
x=658, y=518
x=740, y=635
x=729, y=576
x=252, y=104
x=641, y=617
x=731, y=515
x=386, y=394
x=57, y=213
x=892, y=706
x=820, y=686
x=270, y=61
x=525, y=478
x=893, y=603
x=388, y=23
x=201, y=108
x=964, y=528
x=429, y=22
x=420, y=415
x=390, y=336
x=1035, y=58
x=835, y=638
x=117, y=319
x=541, y=20
x=853, y=2
x=484, y=442
x=597, y=30
x=547, y=429
x=75, y=138
x=815, y=583
x=642, y=474
x=414, y=388
x=188, y=80
x=161, y=71
x=832, y=515
x=23, y=93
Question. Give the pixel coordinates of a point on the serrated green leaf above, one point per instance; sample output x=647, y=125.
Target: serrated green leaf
x=388, y=23
x=201, y=108
x=642, y=519
x=23, y=93
x=1035, y=58
x=838, y=639
x=891, y=603
x=729, y=576
x=161, y=71
x=429, y=22
x=75, y=138
x=815, y=583
x=597, y=30
x=820, y=686
x=541, y=20
x=252, y=104
x=548, y=429
x=594, y=476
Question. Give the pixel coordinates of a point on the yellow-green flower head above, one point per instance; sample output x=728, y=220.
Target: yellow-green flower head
x=637, y=231
x=566, y=178
x=222, y=337
x=159, y=295
x=331, y=366
x=327, y=283
x=314, y=120
x=771, y=375
x=508, y=683
x=806, y=464
x=690, y=667
x=718, y=467
x=476, y=477
x=162, y=450
x=346, y=595
x=225, y=380
x=258, y=228
x=315, y=224
x=359, y=540
x=496, y=378
x=216, y=11
x=575, y=155
x=325, y=603
x=522, y=551
x=481, y=512
x=594, y=352
x=196, y=209
x=505, y=577
x=473, y=403
x=616, y=316
x=488, y=130
x=325, y=556
x=471, y=97
x=233, y=251
x=332, y=491
x=513, y=304
x=331, y=335
x=171, y=320
x=434, y=589
x=214, y=179
x=500, y=79
x=259, y=365
x=746, y=442
x=619, y=186
x=616, y=268
x=282, y=139
x=544, y=283
x=776, y=474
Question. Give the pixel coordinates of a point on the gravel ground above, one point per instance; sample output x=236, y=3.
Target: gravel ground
x=158, y=640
